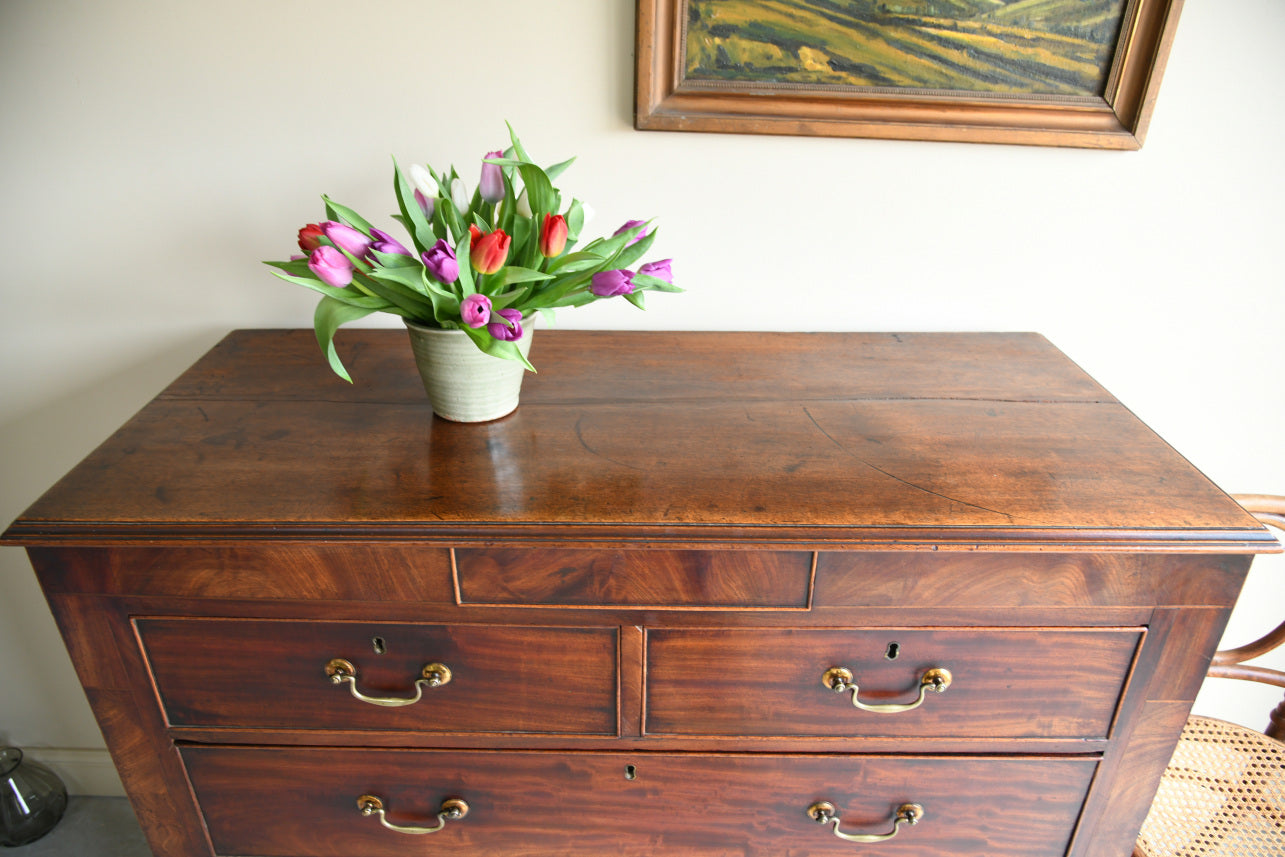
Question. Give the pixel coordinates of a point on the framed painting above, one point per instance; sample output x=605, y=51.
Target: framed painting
x=1040, y=72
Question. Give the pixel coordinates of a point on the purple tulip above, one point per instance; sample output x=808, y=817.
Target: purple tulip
x=426, y=203
x=501, y=330
x=386, y=243
x=633, y=224
x=475, y=310
x=492, y=183
x=608, y=284
x=346, y=238
x=441, y=262
x=330, y=266
x=659, y=270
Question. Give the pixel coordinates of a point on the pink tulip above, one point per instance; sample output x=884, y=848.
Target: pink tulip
x=475, y=310
x=330, y=266
x=608, y=284
x=492, y=182
x=346, y=238
x=506, y=325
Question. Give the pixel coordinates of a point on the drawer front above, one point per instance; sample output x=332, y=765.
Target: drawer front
x=303, y=802
x=273, y=674
x=639, y=578
x=1004, y=682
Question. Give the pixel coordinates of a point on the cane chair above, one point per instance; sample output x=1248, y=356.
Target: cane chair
x=1223, y=794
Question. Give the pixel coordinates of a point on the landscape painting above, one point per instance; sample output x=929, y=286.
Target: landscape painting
x=1000, y=47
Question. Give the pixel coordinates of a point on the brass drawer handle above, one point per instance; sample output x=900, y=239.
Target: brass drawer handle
x=824, y=812
x=433, y=675
x=453, y=809
x=841, y=680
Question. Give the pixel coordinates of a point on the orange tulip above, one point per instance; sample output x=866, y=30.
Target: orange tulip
x=488, y=251
x=553, y=235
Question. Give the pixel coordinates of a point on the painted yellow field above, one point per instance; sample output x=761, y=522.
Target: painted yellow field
x=1028, y=46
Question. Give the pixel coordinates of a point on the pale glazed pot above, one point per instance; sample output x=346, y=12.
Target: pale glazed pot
x=463, y=384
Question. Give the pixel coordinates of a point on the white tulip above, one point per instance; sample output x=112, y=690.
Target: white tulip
x=459, y=195
x=524, y=205
x=423, y=180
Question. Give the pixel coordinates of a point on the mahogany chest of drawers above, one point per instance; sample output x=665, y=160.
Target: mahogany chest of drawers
x=702, y=594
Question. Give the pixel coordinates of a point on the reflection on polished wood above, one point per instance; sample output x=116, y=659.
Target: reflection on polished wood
x=603, y=621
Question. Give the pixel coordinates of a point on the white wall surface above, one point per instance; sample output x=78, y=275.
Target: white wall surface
x=153, y=151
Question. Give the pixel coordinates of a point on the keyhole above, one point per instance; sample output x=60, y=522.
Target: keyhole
x=894, y=649
x=631, y=772
x=378, y=643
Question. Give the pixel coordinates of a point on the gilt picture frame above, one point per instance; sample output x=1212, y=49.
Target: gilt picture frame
x=1047, y=73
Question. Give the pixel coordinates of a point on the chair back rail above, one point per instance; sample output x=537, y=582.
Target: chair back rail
x=1230, y=663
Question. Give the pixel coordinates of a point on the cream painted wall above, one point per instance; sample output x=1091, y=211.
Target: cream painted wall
x=153, y=152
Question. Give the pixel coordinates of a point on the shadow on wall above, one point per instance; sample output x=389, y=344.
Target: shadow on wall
x=39, y=447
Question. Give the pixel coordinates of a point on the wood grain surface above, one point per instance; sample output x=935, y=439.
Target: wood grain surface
x=1029, y=683
x=650, y=564
x=920, y=440
x=220, y=672
x=302, y=803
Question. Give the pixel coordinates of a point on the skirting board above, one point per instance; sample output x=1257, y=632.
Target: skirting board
x=85, y=772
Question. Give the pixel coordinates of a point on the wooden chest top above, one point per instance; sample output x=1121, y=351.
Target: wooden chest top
x=846, y=441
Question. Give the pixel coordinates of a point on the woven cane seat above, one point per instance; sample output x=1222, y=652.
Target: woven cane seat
x=1223, y=795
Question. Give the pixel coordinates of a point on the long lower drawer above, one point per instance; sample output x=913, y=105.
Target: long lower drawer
x=308, y=802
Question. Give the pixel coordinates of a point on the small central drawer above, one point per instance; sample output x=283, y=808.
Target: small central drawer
x=304, y=802
x=738, y=580
x=961, y=682
x=284, y=674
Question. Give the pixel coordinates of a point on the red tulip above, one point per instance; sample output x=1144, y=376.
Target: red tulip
x=489, y=251
x=553, y=235
x=310, y=237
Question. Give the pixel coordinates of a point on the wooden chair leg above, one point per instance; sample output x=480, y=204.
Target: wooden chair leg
x=1276, y=728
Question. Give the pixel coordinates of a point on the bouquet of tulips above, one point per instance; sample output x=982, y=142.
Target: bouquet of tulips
x=481, y=263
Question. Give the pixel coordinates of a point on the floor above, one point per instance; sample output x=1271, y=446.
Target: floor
x=91, y=827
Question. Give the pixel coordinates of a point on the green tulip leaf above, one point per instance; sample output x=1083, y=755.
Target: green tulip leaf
x=540, y=192
x=525, y=250
x=328, y=317
x=467, y=287
x=636, y=298
x=578, y=261
x=575, y=221
x=496, y=347
x=558, y=169
x=345, y=214
x=515, y=274
x=395, y=260
x=387, y=285
x=626, y=256
x=349, y=296
x=517, y=144
x=646, y=281
x=421, y=231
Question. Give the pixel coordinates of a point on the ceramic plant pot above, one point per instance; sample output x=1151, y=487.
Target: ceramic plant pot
x=463, y=384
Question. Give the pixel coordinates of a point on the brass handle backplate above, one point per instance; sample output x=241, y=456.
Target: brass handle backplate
x=824, y=812
x=452, y=809
x=841, y=680
x=433, y=675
